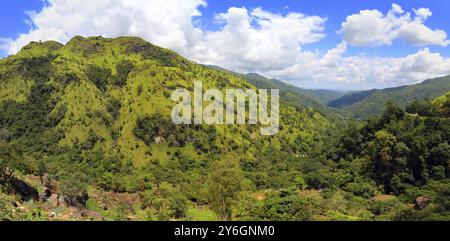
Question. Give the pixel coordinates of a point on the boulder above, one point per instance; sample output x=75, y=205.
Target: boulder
x=45, y=195
x=422, y=202
x=52, y=214
x=91, y=214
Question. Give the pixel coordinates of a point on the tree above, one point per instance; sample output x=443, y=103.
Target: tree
x=166, y=200
x=150, y=127
x=392, y=112
x=42, y=169
x=113, y=107
x=225, y=182
x=422, y=108
x=382, y=155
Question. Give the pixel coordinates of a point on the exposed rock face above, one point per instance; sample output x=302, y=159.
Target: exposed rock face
x=53, y=200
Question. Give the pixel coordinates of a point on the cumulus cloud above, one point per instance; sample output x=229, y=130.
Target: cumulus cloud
x=373, y=28
x=167, y=23
x=337, y=71
x=258, y=40
x=254, y=40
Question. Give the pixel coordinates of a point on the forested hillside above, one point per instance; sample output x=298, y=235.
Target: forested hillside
x=404, y=154
x=94, y=117
x=365, y=104
x=86, y=134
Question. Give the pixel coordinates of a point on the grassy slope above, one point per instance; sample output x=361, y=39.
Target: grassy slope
x=87, y=104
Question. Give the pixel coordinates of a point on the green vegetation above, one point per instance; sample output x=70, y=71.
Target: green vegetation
x=365, y=104
x=85, y=134
x=224, y=185
x=317, y=99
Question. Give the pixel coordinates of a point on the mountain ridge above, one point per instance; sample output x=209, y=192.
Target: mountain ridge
x=97, y=90
x=363, y=104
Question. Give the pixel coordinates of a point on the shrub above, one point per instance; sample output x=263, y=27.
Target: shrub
x=150, y=127
x=73, y=186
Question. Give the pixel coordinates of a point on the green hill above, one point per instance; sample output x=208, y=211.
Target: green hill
x=364, y=104
x=98, y=110
x=86, y=134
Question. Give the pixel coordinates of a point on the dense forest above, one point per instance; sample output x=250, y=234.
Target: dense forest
x=86, y=134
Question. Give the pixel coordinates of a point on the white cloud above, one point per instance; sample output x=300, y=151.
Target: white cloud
x=167, y=23
x=258, y=40
x=254, y=40
x=337, y=71
x=248, y=40
x=422, y=13
x=373, y=28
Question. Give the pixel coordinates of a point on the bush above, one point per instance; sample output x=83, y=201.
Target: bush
x=291, y=208
x=386, y=209
x=167, y=200
x=73, y=186
x=5, y=208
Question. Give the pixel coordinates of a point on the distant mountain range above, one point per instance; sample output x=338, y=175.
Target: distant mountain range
x=295, y=96
x=321, y=96
x=364, y=104
x=358, y=104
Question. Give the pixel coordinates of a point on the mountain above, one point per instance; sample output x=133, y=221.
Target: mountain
x=86, y=134
x=301, y=98
x=94, y=115
x=364, y=104
x=323, y=96
x=309, y=98
x=288, y=92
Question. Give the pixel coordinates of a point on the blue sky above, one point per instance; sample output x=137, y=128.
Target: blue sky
x=14, y=21
x=337, y=11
